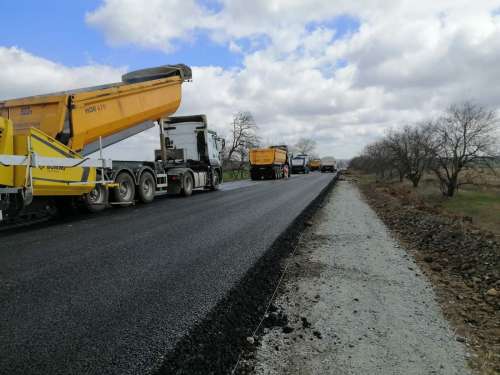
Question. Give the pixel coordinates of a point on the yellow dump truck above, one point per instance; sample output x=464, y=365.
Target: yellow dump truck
x=315, y=164
x=268, y=163
x=45, y=142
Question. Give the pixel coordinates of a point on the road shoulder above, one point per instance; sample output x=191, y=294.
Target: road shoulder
x=461, y=260
x=354, y=302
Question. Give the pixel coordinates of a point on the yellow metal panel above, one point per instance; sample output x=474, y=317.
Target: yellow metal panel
x=316, y=163
x=280, y=156
x=52, y=181
x=20, y=148
x=6, y=148
x=46, y=113
x=98, y=112
x=267, y=156
x=122, y=107
x=4, y=112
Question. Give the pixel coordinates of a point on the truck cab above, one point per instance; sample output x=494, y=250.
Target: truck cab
x=186, y=142
x=300, y=164
x=188, y=159
x=190, y=134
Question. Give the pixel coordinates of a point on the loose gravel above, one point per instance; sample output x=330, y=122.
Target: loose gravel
x=354, y=302
x=461, y=261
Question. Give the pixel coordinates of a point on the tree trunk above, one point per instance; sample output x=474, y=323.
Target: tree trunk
x=415, y=179
x=451, y=187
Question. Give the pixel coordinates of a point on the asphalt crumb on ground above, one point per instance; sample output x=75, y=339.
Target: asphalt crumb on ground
x=461, y=261
x=354, y=302
x=214, y=345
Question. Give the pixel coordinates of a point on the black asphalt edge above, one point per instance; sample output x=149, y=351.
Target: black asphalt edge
x=214, y=344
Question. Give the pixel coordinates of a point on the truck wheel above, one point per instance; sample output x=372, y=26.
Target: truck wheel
x=215, y=181
x=187, y=185
x=96, y=200
x=125, y=191
x=147, y=188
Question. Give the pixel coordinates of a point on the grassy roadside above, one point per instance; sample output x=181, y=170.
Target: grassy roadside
x=482, y=206
x=236, y=176
x=477, y=203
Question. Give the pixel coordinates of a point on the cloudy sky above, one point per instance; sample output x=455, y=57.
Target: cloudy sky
x=338, y=71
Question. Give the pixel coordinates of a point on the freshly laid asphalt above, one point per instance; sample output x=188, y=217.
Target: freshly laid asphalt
x=112, y=293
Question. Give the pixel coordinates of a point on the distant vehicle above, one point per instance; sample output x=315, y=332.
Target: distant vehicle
x=300, y=164
x=328, y=164
x=315, y=164
x=268, y=163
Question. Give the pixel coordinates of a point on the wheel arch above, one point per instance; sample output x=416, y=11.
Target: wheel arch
x=141, y=171
x=129, y=171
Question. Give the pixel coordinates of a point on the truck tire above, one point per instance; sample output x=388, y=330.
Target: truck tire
x=96, y=200
x=125, y=191
x=187, y=185
x=147, y=188
x=215, y=181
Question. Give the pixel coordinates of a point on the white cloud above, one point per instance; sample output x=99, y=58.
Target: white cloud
x=23, y=74
x=408, y=60
x=155, y=23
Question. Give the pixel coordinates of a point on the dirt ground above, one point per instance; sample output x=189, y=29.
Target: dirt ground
x=460, y=259
x=354, y=302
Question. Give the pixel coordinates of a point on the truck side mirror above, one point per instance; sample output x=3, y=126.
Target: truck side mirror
x=221, y=142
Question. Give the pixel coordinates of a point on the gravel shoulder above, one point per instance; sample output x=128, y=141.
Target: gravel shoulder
x=460, y=259
x=354, y=302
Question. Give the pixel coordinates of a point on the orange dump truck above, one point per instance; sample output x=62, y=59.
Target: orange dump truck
x=268, y=163
x=315, y=164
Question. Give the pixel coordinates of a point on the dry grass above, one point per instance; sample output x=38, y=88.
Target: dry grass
x=478, y=199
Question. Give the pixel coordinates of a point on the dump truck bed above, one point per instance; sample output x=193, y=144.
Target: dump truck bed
x=315, y=163
x=267, y=156
x=79, y=117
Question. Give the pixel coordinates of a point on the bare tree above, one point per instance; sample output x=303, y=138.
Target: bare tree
x=380, y=155
x=243, y=137
x=305, y=146
x=411, y=151
x=396, y=146
x=463, y=138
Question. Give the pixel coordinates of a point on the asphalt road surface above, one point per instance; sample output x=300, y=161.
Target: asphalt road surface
x=112, y=293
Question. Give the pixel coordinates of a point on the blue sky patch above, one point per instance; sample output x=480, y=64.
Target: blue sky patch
x=56, y=30
x=343, y=25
